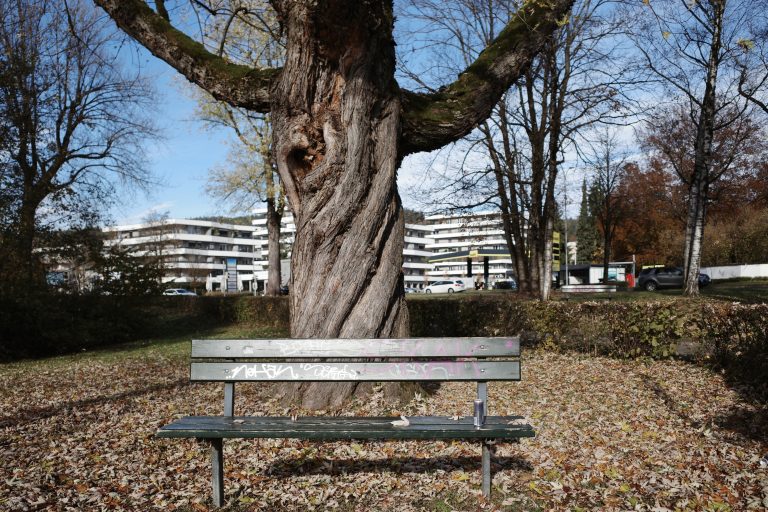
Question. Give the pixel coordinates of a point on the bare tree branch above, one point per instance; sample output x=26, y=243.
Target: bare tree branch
x=239, y=85
x=431, y=121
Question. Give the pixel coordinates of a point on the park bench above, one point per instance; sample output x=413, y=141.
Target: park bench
x=377, y=360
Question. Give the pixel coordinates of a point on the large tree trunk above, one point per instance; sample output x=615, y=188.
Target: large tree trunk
x=606, y=252
x=336, y=124
x=21, y=261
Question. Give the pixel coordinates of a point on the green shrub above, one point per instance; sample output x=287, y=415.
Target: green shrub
x=732, y=336
x=42, y=325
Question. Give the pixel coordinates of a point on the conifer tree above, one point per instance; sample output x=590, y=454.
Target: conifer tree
x=586, y=233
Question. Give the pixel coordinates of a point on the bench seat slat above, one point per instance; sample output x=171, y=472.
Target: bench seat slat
x=339, y=428
x=357, y=348
x=356, y=371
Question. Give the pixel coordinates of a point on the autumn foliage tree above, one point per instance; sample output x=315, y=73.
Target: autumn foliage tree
x=652, y=227
x=341, y=127
x=655, y=190
x=695, y=50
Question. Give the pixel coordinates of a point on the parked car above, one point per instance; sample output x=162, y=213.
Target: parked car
x=408, y=289
x=445, y=287
x=651, y=279
x=179, y=291
x=505, y=284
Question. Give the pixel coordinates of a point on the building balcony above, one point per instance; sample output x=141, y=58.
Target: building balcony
x=413, y=264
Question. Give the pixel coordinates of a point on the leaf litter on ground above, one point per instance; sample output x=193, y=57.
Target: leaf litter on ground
x=78, y=434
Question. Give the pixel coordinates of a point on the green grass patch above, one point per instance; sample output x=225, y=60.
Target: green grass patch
x=162, y=347
x=751, y=291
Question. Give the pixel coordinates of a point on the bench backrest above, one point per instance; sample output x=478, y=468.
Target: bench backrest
x=412, y=359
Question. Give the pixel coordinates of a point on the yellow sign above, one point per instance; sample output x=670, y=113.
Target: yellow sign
x=473, y=253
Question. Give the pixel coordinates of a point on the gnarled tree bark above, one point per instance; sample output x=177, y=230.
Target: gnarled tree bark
x=341, y=127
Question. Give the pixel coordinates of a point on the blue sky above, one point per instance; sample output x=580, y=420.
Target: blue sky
x=180, y=161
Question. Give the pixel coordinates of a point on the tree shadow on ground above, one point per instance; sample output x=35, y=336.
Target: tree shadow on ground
x=289, y=467
x=748, y=419
x=745, y=373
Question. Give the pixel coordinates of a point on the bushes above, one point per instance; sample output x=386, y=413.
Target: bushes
x=738, y=335
x=42, y=325
x=249, y=310
x=733, y=336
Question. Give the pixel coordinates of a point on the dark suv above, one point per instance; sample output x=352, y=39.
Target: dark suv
x=665, y=277
x=505, y=284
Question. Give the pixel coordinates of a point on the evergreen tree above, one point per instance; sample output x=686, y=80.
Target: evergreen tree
x=586, y=233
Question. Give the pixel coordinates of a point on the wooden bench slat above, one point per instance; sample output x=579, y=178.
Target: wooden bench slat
x=366, y=371
x=337, y=428
x=353, y=420
x=357, y=348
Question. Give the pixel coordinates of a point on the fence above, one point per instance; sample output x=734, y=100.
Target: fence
x=737, y=271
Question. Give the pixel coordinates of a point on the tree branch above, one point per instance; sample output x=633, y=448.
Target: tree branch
x=238, y=85
x=431, y=121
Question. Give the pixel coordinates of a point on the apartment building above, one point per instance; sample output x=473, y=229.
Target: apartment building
x=416, y=265
x=287, y=231
x=223, y=257
x=442, y=247
x=232, y=257
x=468, y=246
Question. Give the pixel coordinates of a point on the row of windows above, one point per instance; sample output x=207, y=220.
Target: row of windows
x=218, y=247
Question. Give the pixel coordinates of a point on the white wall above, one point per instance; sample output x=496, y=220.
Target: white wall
x=733, y=271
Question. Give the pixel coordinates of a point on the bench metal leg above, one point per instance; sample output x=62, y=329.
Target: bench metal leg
x=217, y=470
x=482, y=394
x=486, y=469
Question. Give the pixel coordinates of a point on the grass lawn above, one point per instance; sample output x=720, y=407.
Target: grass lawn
x=77, y=434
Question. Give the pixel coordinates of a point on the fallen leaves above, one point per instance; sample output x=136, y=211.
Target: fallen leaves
x=611, y=435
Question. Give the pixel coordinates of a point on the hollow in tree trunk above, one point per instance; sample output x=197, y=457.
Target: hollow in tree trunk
x=336, y=128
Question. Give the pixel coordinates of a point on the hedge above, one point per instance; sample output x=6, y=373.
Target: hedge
x=730, y=335
x=47, y=325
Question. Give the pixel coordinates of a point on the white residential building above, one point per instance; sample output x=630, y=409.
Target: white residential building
x=226, y=257
x=461, y=245
x=438, y=248
x=416, y=265
x=229, y=257
x=287, y=231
